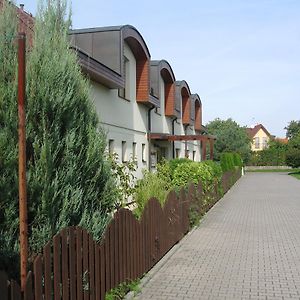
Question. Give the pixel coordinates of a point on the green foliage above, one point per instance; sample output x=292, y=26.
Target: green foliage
x=174, y=163
x=227, y=161
x=69, y=180
x=151, y=185
x=8, y=139
x=164, y=172
x=293, y=129
x=293, y=157
x=124, y=174
x=274, y=155
x=122, y=289
x=296, y=175
x=237, y=160
x=206, y=172
x=231, y=137
x=293, y=147
x=294, y=143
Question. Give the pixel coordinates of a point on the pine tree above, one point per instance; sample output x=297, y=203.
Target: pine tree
x=69, y=180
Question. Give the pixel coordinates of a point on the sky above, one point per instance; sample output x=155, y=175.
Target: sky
x=241, y=56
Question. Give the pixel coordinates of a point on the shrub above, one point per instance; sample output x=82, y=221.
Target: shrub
x=174, y=163
x=124, y=174
x=268, y=157
x=227, y=161
x=237, y=160
x=165, y=173
x=193, y=172
x=215, y=169
x=293, y=157
x=151, y=185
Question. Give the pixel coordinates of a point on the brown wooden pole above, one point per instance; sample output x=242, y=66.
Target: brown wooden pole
x=22, y=160
x=203, y=150
x=211, y=148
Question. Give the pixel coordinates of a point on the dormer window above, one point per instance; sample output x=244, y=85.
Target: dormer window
x=198, y=115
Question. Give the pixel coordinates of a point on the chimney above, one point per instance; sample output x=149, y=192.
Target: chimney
x=22, y=6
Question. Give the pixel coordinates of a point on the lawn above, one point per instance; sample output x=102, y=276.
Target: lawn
x=295, y=174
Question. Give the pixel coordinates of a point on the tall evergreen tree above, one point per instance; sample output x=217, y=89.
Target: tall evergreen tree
x=69, y=180
x=8, y=138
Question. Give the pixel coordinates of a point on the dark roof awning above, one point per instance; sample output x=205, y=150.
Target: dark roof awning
x=99, y=72
x=170, y=137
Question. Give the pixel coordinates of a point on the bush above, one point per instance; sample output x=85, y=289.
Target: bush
x=268, y=157
x=237, y=160
x=174, y=163
x=227, y=161
x=293, y=157
x=151, y=185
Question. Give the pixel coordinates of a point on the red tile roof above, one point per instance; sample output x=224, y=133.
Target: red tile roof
x=282, y=140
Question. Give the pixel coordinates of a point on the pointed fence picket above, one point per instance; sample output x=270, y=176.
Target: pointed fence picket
x=73, y=266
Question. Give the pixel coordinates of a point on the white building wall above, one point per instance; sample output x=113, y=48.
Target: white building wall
x=124, y=119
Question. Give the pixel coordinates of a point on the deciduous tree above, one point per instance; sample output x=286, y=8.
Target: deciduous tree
x=231, y=137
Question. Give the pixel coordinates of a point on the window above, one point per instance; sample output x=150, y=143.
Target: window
x=111, y=146
x=187, y=153
x=264, y=142
x=194, y=155
x=177, y=153
x=143, y=152
x=157, y=110
x=134, y=150
x=256, y=140
x=124, y=156
x=125, y=93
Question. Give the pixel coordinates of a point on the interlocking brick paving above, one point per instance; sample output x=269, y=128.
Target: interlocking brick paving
x=247, y=247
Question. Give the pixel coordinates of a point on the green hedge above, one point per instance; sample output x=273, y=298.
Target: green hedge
x=178, y=173
x=293, y=157
x=268, y=157
x=229, y=161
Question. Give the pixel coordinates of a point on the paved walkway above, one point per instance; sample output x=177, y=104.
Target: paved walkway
x=247, y=247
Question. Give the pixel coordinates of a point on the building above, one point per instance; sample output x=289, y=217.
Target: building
x=260, y=137
x=148, y=114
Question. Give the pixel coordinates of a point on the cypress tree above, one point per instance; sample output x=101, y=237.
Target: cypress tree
x=8, y=139
x=69, y=180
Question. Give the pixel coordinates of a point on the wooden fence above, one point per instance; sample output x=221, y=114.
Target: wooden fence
x=73, y=266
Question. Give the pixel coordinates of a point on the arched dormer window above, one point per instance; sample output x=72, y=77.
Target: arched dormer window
x=186, y=106
x=141, y=53
x=161, y=70
x=168, y=77
x=183, y=102
x=197, y=112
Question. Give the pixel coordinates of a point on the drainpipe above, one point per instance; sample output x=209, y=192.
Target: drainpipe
x=149, y=138
x=173, y=133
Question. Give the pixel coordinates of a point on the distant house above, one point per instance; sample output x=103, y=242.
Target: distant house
x=260, y=137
